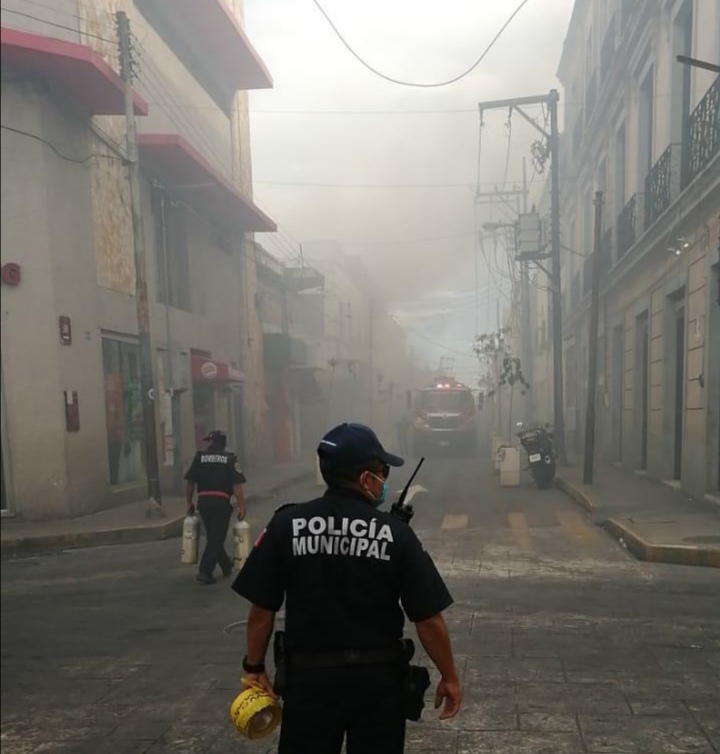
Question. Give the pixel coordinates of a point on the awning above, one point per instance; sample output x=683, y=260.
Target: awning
x=180, y=165
x=210, y=30
x=74, y=68
x=210, y=370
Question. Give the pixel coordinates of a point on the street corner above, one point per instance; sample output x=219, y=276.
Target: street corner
x=692, y=540
x=575, y=492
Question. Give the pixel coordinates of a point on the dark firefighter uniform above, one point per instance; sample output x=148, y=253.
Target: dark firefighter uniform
x=343, y=569
x=215, y=472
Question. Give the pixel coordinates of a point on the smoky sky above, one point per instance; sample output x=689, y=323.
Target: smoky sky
x=417, y=242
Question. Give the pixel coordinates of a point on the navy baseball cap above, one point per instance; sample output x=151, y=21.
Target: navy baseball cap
x=215, y=435
x=352, y=446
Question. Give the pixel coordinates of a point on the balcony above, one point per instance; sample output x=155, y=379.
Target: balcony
x=626, y=221
x=210, y=42
x=662, y=184
x=282, y=350
x=703, y=134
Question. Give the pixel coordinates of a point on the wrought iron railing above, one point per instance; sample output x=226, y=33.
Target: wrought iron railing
x=626, y=221
x=660, y=187
x=703, y=134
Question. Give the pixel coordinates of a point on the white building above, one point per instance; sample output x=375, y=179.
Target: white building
x=645, y=130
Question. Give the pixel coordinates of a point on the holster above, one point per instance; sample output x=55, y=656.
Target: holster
x=416, y=683
x=281, y=663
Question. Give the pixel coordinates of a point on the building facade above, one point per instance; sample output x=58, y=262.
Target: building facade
x=73, y=437
x=644, y=130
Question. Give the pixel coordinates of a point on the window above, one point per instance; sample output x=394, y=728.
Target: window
x=646, y=123
x=123, y=406
x=620, y=152
x=173, y=267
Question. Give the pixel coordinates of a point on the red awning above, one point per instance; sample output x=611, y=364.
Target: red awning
x=213, y=33
x=210, y=370
x=74, y=68
x=179, y=164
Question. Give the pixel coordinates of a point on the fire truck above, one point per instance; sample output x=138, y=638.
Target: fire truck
x=444, y=418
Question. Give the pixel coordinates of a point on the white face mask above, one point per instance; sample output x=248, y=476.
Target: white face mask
x=383, y=496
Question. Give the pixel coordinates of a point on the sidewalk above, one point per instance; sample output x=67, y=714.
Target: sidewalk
x=654, y=522
x=128, y=524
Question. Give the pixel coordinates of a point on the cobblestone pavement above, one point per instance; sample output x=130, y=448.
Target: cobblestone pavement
x=566, y=643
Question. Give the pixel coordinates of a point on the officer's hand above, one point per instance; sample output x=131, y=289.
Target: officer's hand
x=241, y=514
x=450, y=692
x=261, y=679
x=191, y=509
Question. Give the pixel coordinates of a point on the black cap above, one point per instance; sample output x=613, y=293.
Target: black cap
x=352, y=446
x=217, y=435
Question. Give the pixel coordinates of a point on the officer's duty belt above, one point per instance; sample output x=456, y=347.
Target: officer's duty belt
x=345, y=658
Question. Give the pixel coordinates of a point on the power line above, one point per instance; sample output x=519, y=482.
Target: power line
x=107, y=24
x=301, y=184
x=416, y=84
x=53, y=148
x=56, y=25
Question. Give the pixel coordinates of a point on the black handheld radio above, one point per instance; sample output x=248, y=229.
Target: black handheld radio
x=399, y=509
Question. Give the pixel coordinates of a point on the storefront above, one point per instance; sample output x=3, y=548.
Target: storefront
x=217, y=400
x=123, y=406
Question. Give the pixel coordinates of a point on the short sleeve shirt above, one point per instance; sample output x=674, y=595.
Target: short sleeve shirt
x=345, y=571
x=215, y=471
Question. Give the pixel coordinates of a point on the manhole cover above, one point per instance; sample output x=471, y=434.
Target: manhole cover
x=710, y=540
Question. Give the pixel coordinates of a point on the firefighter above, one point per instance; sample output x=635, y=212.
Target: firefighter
x=343, y=569
x=217, y=475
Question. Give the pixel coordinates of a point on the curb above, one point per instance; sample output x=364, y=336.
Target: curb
x=125, y=535
x=580, y=497
x=79, y=540
x=653, y=553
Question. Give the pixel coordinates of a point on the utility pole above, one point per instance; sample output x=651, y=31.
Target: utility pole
x=526, y=314
x=589, y=463
x=558, y=393
x=371, y=361
x=516, y=104
x=147, y=383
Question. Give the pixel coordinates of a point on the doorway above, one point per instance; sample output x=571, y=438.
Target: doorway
x=642, y=361
x=618, y=353
x=5, y=481
x=203, y=411
x=679, y=389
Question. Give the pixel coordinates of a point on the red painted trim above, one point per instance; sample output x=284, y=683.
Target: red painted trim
x=181, y=164
x=75, y=68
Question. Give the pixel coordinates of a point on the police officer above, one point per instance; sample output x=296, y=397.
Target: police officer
x=343, y=569
x=217, y=475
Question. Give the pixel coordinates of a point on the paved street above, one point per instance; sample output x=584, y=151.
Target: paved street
x=565, y=642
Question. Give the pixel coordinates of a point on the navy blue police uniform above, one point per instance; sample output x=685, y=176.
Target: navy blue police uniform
x=215, y=472
x=347, y=574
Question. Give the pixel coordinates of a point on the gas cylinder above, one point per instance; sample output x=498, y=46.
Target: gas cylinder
x=241, y=538
x=190, y=538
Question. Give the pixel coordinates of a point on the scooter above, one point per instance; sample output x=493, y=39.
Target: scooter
x=538, y=444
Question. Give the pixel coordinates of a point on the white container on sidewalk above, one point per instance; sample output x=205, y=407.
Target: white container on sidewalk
x=497, y=441
x=509, y=467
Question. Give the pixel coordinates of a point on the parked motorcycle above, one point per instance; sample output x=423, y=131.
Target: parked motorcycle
x=538, y=444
